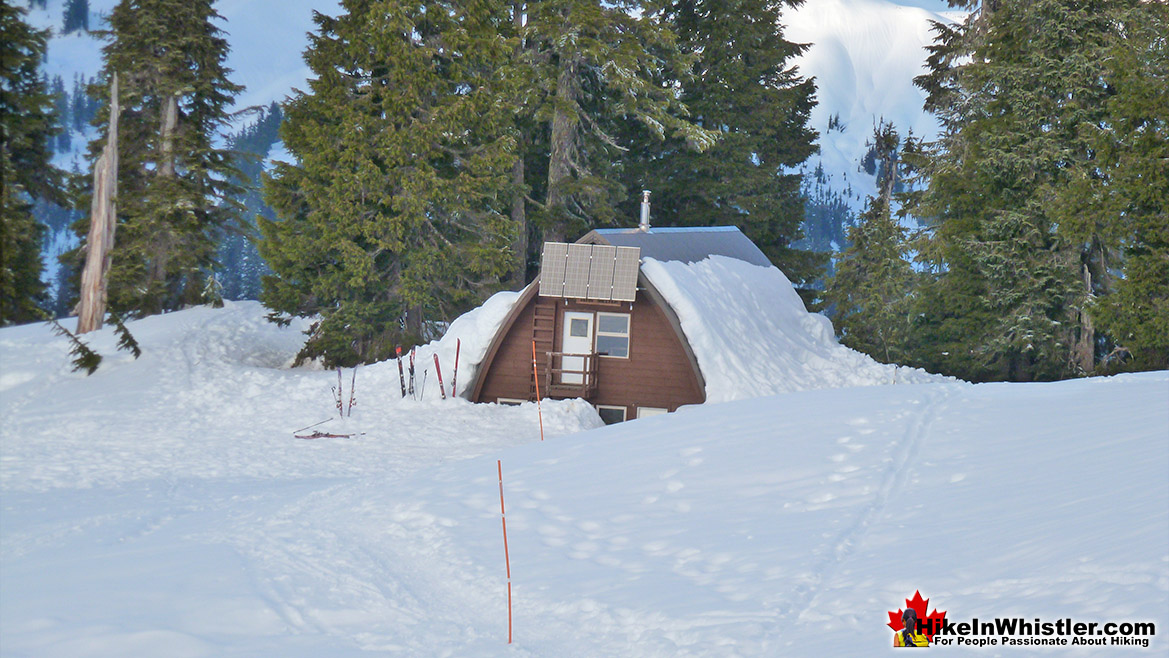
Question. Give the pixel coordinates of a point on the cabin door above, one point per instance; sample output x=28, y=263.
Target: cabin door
x=577, y=339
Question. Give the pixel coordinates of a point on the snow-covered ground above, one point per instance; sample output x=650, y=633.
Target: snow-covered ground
x=162, y=507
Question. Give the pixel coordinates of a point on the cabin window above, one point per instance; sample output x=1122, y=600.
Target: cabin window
x=611, y=414
x=646, y=412
x=510, y=402
x=578, y=327
x=613, y=335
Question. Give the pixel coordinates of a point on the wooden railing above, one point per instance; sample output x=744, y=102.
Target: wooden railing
x=577, y=379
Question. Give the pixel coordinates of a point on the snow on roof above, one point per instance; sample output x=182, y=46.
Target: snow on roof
x=688, y=244
x=752, y=335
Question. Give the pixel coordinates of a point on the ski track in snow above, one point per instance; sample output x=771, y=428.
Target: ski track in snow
x=162, y=507
x=899, y=471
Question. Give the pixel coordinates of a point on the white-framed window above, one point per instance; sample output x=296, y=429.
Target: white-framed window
x=578, y=328
x=611, y=414
x=511, y=402
x=646, y=412
x=613, y=335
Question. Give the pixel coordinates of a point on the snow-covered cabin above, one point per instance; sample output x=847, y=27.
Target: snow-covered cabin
x=601, y=330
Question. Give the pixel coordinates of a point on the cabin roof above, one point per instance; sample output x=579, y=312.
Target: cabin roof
x=686, y=244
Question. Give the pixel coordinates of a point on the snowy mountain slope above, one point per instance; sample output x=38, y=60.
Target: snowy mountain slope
x=161, y=507
x=267, y=40
x=864, y=55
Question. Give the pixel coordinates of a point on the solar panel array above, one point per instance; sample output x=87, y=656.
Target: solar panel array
x=625, y=273
x=588, y=271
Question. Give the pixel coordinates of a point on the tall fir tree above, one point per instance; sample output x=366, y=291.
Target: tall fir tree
x=1126, y=190
x=1017, y=88
x=27, y=128
x=600, y=67
x=396, y=214
x=76, y=16
x=743, y=86
x=175, y=196
x=240, y=264
x=873, y=287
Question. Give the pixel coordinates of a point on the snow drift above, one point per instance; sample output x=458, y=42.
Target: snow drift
x=753, y=336
x=161, y=508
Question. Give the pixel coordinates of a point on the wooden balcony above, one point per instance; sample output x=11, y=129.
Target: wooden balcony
x=568, y=375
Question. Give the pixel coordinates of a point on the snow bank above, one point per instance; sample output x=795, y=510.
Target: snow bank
x=160, y=507
x=752, y=335
x=474, y=329
x=213, y=395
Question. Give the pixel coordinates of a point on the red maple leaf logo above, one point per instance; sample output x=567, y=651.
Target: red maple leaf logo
x=930, y=624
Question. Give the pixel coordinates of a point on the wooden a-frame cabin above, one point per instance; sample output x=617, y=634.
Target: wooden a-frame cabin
x=601, y=330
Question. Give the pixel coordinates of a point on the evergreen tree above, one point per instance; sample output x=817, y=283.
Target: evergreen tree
x=174, y=190
x=872, y=289
x=76, y=16
x=1129, y=186
x=742, y=86
x=1017, y=88
x=396, y=213
x=241, y=266
x=27, y=127
x=601, y=67
x=61, y=110
x=82, y=107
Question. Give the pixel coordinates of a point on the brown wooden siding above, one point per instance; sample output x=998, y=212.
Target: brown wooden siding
x=658, y=372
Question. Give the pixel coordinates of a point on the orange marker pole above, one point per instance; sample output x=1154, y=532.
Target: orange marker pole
x=506, y=557
x=536, y=376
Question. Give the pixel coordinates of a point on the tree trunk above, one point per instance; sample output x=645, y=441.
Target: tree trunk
x=564, y=125
x=414, y=323
x=170, y=118
x=518, y=209
x=1084, y=350
x=519, y=217
x=91, y=308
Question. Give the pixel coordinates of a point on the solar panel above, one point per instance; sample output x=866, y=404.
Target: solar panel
x=552, y=266
x=625, y=274
x=601, y=273
x=586, y=271
x=576, y=275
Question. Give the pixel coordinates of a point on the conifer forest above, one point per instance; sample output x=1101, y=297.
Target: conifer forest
x=437, y=144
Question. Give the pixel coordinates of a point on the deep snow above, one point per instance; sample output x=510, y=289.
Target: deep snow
x=161, y=507
x=752, y=335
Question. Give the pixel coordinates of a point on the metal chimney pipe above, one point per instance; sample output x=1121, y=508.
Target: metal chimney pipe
x=644, y=225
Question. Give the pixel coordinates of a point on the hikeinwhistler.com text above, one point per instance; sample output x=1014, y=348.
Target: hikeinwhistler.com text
x=1019, y=632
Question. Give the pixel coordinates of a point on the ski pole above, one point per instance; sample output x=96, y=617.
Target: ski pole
x=312, y=426
x=352, y=393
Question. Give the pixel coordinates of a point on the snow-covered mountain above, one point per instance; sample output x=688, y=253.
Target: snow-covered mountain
x=162, y=507
x=864, y=55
